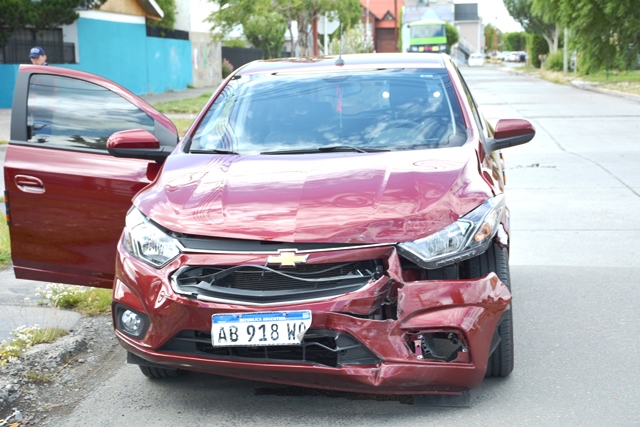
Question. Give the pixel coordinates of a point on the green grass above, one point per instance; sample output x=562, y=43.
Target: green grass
x=5, y=245
x=25, y=337
x=183, y=106
x=86, y=300
x=614, y=76
x=39, y=377
x=182, y=125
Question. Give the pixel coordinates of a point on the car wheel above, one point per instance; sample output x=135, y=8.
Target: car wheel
x=496, y=259
x=151, y=372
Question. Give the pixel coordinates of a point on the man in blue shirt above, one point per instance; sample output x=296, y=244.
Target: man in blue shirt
x=38, y=56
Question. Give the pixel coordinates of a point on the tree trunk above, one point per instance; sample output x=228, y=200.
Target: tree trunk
x=303, y=34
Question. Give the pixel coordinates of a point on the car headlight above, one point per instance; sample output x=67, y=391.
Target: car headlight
x=147, y=242
x=467, y=237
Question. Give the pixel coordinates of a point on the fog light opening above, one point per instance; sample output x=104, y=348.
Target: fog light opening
x=445, y=346
x=131, y=322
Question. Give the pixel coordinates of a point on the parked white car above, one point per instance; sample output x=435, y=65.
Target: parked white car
x=476, y=60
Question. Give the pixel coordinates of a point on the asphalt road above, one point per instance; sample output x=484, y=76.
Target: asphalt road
x=574, y=195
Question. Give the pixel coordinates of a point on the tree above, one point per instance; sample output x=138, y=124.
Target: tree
x=492, y=38
x=266, y=31
x=603, y=31
x=452, y=35
x=168, y=21
x=353, y=40
x=240, y=12
x=45, y=14
x=12, y=17
x=39, y=15
x=515, y=41
x=521, y=11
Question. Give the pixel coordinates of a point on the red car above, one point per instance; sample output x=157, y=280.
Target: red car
x=328, y=222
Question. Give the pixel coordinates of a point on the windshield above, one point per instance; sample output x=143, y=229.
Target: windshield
x=360, y=110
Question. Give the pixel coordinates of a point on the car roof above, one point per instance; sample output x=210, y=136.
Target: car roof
x=355, y=61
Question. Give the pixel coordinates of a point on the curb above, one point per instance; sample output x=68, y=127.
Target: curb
x=581, y=84
x=594, y=88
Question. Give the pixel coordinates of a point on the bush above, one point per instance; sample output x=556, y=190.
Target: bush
x=227, y=68
x=89, y=301
x=555, y=61
x=537, y=46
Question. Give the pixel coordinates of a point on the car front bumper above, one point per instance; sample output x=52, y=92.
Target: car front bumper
x=391, y=356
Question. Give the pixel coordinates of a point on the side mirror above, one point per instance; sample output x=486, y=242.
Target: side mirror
x=136, y=144
x=510, y=132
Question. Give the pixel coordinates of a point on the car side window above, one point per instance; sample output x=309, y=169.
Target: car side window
x=64, y=112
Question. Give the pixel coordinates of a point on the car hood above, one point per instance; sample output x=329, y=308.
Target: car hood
x=332, y=198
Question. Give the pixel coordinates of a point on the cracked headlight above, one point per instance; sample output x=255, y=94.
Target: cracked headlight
x=147, y=242
x=467, y=237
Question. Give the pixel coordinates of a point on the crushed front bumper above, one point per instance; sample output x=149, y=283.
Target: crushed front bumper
x=437, y=339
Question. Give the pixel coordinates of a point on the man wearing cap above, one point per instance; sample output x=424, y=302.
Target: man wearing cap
x=37, y=56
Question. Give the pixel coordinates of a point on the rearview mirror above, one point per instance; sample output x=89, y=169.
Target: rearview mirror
x=136, y=144
x=510, y=132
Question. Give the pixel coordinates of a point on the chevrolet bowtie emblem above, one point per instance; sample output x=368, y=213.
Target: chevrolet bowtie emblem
x=287, y=258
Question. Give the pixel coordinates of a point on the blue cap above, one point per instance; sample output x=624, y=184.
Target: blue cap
x=36, y=51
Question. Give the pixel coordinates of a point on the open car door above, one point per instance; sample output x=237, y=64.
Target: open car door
x=66, y=197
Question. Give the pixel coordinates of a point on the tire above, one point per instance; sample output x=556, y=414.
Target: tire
x=151, y=372
x=496, y=259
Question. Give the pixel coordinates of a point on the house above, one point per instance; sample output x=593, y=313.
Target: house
x=115, y=42
x=381, y=20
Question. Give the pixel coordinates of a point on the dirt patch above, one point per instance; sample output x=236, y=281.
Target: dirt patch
x=52, y=378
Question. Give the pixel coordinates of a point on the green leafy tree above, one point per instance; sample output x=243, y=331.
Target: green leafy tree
x=515, y=41
x=12, y=17
x=46, y=14
x=603, y=31
x=169, y=19
x=538, y=49
x=452, y=35
x=352, y=41
x=266, y=31
x=522, y=11
x=492, y=38
x=233, y=13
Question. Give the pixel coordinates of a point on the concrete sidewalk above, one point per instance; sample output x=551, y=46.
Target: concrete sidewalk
x=5, y=113
x=5, y=123
x=19, y=306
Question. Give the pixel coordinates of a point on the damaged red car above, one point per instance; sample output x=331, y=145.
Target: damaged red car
x=331, y=222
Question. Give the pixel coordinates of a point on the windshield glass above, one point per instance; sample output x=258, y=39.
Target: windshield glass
x=365, y=110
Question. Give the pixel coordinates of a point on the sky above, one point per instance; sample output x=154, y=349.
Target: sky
x=493, y=12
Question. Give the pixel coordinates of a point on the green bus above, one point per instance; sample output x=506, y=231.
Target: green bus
x=427, y=36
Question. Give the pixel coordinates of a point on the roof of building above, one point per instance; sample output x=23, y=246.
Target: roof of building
x=152, y=10
x=379, y=8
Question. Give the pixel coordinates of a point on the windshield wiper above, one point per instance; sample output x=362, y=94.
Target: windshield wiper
x=341, y=148
x=326, y=149
x=213, y=151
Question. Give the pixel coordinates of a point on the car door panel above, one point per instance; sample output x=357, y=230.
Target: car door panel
x=67, y=198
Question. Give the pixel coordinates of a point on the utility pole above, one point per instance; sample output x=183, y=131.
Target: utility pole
x=565, y=64
x=395, y=27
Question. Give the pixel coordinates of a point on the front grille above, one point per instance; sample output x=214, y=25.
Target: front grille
x=319, y=347
x=263, y=284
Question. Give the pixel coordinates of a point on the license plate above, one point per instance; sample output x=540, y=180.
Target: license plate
x=257, y=329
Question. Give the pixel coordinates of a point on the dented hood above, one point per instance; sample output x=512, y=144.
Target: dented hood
x=333, y=198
